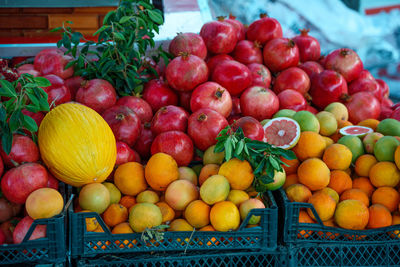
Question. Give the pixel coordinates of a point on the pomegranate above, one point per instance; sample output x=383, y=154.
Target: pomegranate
x=365, y=85
x=248, y=52
x=260, y=74
x=264, y=30
x=143, y=144
x=219, y=36
x=365, y=74
x=309, y=47
x=327, y=87
x=239, y=27
x=6, y=210
x=215, y=60
x=384, y=88
x=292, y=78
x=28, y=68
x=386, y=112
x=8, y=229
x=291, y=99
x=57, y=91
x=259, y=102
x=362, y=106
x=53, y=61
x=125, y=154
x=322, y=60
x=185, y=72
x=387, y=103
x=190, y=43
x=52, y=182
x=280, y=54
x=184, y=99
x=1, y=167
x=158, y=94
x=2, y=237
x=176, y=144
x=124, y=123
x=233, y=118
x=23, y=149
x=19, y=182
x=138, y=105
x=73, y=84
x=169, y=118
x=97, y=94
x=204, y=126
x=312, y=109
x=211, y=95
x=251, y=127
x=37, y=117
x=22, y=229
x=233, y=76
x=346, y=62
x=396, y=114
x=311, y=68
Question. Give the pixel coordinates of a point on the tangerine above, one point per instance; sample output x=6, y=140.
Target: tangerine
x=160, y=171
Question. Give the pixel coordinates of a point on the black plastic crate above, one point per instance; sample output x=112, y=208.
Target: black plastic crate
x=91, y=244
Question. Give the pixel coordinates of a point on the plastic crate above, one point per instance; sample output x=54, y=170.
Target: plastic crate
x=293, y=232
x=90, y=244
x=50, y=250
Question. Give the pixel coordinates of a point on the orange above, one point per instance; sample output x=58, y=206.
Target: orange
x=225, y=216
x=127, y=201
x=355, y=194
x=180, y=193
x=91, y=223
x=314, y=174
x=337, y=157
x=208, y=171
x=330, y=235
x=328, y=141
x=331, y=192
x=397, y=157
x=298, y=193
x=324, y=204
x=371, y=123
x=178, y=225
x=129, y=178
x=237, y=196
x=44, y=203
x=351, y=214
x=395, y=221
x=197, y=213
x=238, y=172
x=340, y=181
x=160, y=171
x=147, y=196
x=123, y=228
x=336, y=136
x=144, y=215
x=209, y=228
x=310, y=145
x=384, y=174
x=168, y=214
x=364, y=184
x=115, y=214
x=290, y=179
x=364, y=164
x=293, y=164
x=386, y=196
x=304, y=218
x=379, y=216
x=343, y=123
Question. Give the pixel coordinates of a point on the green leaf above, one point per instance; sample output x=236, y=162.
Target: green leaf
x=240, y=147
x=56, y=29
x=76, y=37
x=66, y=42
x=33, y=108
x=260, y=166
x=275, y=164
x=108, y=16
x=14, y=121
x=124, y=19
x=42, y=82
x=102, y=28
x=30, y=124
x=288, y=154
x=3, y=114
x=119, y=36
x=155, y=16
x=44, y=105
x=6, y=139
x=228, y=149
x=7, y=89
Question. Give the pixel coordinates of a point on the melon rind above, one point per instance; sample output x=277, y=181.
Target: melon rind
x=346, y=130
x=293, y=142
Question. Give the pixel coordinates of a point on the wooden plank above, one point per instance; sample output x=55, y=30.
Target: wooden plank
x=80, y=21
x=47, y=10
x=23, y=22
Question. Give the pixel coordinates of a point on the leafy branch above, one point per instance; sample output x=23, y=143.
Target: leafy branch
x=264, y=158
x=156, y=233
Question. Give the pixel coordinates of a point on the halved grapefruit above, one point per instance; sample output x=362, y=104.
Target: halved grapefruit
x=356, y=130
x=282, y=132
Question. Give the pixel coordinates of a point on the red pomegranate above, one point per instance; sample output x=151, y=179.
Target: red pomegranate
x=124, y=123
x=23, y=149
x=251, y=127
x=143, y=144
x=259, y=102
x=280, y=54
x=57, y=91
x=28, y=68
x=19, y=182
x=125, y=154
x=37, y=117
x=176, y=144
x=312, y=109
x=388, y=103
x=396, y=114
x=53, y=61
x=260, y=74
x=248, y=52
x=73, y=84
x=1, y=167
x=233, y=118
x=190, y=43
x=138, y=105
x=291, y=99
x=215, y=60
x=292, y=78
x=346, y=62
x=149, y=68
x=158, y=94
x=22, y=229
x=184, y=99
x=264, y=30
x=386, y=112
x=309, y=47
x=384, y=87
x=365, y=74
x=239, y=27
x=204, y=126
x=211, y=95
x=97, y=94
x=185, y=72
x=365, y=85
x=52, y=182
x=219, y=36
x=311, y=68
x=233, y=76
x=169, y=118
x=236, y=106
x=362, y=106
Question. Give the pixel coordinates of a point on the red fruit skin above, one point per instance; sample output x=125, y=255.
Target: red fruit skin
x=247, y=52
x=1, y=167
x=52, y=182
x=6, y=210
x=2, y=237
x=387, y=102
x=184, y=73
x=211, y=95
x=28, y=68
x=143, y=144
x=291, y=99
x=169, y=118
x=264, y=30
x=251, y=127
x=176, y=144
x=365, y=85
x=280, y=54
x=220, y=37
x=395, y=106
x=362, y=106
x=188, y=42
x=125, y=154
x=37, y=117
x=233, y=76
x=311, y=109
x=346, y=62
x=19, y=182
x=204, y=126
x=384, y=87
x=215, y=60
x=239, y=27
x=8, y=229
x=386, y=112
x=53, y=61
x=259, y=102
x=396, y=114
x=23, y=149
x=309, y=47
x=365, y=74
x=235, y=106
x=184, y=99
x=138, y=105
x=22, y=229
x=97, y=94
x=233, y=118
x=148, y=62
x=73, y=84
x=261, y=76
x=158, y=94
x=327, y=87
x=292, y=78
x=311, y=68
x=57, y=91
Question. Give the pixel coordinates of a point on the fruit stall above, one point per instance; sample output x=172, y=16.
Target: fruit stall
x=229, y=144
